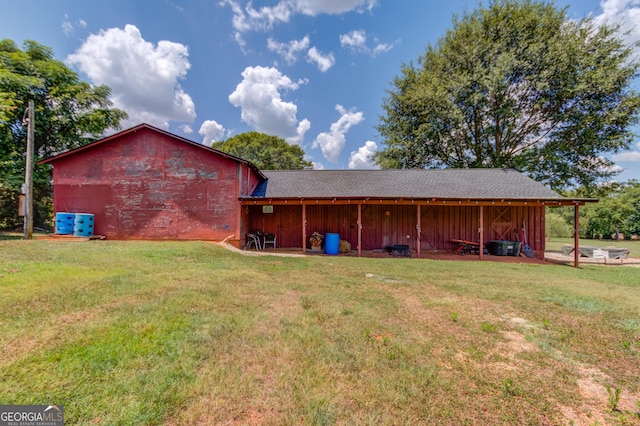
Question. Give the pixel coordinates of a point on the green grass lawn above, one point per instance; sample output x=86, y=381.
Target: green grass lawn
x=183, y=333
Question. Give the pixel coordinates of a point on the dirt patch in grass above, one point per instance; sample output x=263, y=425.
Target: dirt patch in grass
x=592, y=400
x=416, y=312
x=286, y=306
x=508, y=354
x=595, y=398
x=514, y=345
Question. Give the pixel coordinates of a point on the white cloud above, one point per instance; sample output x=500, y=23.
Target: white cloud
x=288, y=51
x=331, y=143
x=363, y=157
x=248, y=18
x=241, y=42
x=315, y=165
x=626, y=13
x=186, y=128
x=178, y=7
x=322, y=61
x=632, y=156
x=381, y=48
x=303, y=127
x=211, y=132
x=258, y=96
x=356, y=41
x=143, y=77
x=616, y=169
x=68, y=27
x=628, y=156
x=332, y=7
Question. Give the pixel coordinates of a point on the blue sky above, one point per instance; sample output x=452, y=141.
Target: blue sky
x=314, y=72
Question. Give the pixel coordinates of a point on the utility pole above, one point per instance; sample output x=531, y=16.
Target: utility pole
x=28, y=179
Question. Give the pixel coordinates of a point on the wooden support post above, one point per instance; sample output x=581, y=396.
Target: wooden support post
x=419, y=231
x=359, y=229
x=237, y=232
x=481, y=233
x=576, y=236
x=304, y=228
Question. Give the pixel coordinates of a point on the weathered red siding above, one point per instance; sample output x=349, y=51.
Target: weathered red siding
x=441, y=224
x=145, y=183
x=285, y=222
x=148, y=185
x=386, y=224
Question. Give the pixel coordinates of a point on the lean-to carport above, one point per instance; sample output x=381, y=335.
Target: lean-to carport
x=294, y=204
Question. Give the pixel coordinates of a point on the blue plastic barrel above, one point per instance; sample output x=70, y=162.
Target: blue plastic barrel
x=83, y=225
x=64, y=223
x=331, y=243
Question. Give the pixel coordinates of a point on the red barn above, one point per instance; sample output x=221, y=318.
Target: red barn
x=145, y=183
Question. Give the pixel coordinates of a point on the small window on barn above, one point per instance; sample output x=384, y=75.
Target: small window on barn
x=267, y=209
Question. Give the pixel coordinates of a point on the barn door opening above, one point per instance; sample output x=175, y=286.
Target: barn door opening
x=289, y=231
x=503, y=225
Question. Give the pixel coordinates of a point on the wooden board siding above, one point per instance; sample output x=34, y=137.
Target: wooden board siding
x=384, y=225
x=148, y=185
x=247, y=179
x=284, y=222
x=387, y=224
x=340, y=219
x=441, y=224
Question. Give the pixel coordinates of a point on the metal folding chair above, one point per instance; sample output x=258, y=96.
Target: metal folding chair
x=253, y=240
x=269, y=239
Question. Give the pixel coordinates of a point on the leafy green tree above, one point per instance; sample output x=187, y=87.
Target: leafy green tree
x=556, y=226
x=618, y=211
x=68, y=113
x=265, y=151
x=515, y=85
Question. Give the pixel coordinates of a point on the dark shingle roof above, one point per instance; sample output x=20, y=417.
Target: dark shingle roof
x=474, y=184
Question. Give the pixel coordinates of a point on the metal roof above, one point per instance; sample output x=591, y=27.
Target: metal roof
x=476, y=184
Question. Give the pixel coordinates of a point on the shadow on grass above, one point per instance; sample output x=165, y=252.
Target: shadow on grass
x=4, y=235
x=19, y=234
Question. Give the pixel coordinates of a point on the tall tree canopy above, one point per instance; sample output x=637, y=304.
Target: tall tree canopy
x=517, y=85
x=265, y=151
x=68, y=113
